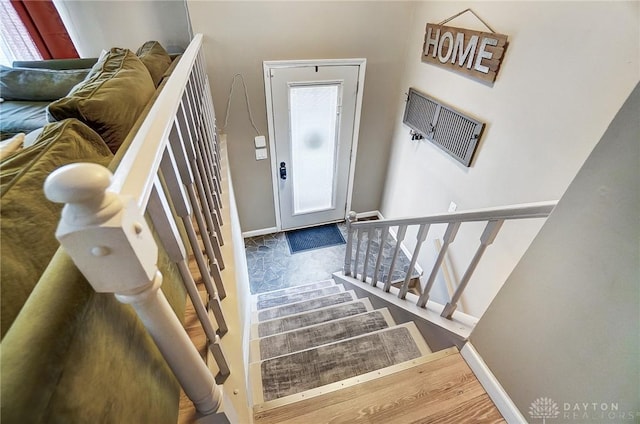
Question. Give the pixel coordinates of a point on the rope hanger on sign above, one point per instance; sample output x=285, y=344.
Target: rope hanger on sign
x=462, y=13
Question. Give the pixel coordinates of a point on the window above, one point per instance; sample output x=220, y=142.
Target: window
x=15, y=43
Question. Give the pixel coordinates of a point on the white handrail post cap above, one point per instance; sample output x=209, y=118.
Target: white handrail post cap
x=83, y=189
x=106, y=235
x=77, y=183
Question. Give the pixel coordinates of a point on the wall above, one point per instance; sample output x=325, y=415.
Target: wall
x=568, y=68
x=239, y=36
x=97, y=25
x=566, y=323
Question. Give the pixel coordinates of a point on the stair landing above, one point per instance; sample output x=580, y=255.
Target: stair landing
x=436, y=388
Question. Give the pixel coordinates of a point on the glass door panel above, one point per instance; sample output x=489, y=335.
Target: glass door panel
x=314, y=118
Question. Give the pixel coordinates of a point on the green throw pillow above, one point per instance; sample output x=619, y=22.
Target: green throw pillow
x=111, y=98
x=29, y=220
x=38, y=85
x=155, y=58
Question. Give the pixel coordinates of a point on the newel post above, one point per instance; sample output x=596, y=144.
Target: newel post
x=108, y=239
x=351, y=218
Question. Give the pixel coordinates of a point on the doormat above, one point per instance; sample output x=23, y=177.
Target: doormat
x=314, y=238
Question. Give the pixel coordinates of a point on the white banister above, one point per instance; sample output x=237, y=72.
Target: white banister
x=108, y=239
x=136, y=171
x=494, y=217
x=523, y=211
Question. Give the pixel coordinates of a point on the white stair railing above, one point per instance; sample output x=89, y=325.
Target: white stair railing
x=379, y=230
x=173, y=158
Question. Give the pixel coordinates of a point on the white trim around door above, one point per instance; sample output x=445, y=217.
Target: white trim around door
x=279, y=64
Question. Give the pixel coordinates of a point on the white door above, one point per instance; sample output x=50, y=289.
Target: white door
x=314, y=113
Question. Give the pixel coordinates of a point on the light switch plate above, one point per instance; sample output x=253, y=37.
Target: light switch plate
x=260, y=142
x=261, y=154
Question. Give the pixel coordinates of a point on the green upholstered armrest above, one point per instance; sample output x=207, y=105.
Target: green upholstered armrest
x=59, y=64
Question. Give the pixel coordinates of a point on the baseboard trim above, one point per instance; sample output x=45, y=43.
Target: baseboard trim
x=491, y=384
x=261, y=232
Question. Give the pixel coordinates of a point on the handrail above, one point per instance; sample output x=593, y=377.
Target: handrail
x=494, y=218
x=139, y=165
x=522, y=211
x=173, y=158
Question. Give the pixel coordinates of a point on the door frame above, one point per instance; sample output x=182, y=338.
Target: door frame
x=268, y=65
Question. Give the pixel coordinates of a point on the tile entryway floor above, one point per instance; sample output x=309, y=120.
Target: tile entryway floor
x=272, y=266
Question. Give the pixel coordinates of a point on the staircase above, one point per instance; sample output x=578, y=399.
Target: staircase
x=320, y=354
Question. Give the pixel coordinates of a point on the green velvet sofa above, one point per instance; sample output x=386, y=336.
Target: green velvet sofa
x=69, y=354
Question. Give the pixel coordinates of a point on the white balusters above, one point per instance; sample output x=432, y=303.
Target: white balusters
x=494, y=217
x=178, y=148
x=109, y=241
x=367, y=254
x=356, y=260
x=192, y=139
x=449, y=236
x=488, y=236
x=159, y=210
x=402, y=231
x=170, y=167
x=384, y=232
x=422, y=235
x=185, y=139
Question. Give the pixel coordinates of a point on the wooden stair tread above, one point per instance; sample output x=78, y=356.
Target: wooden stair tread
x=442, y=390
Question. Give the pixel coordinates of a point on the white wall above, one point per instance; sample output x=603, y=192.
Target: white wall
x=566, y=324
x=568, y=68
x=240, y=35
x=97, y=25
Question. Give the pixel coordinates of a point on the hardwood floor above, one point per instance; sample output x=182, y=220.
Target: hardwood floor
x=442, y=390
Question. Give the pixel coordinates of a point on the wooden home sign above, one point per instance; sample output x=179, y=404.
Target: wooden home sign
x=472, y=53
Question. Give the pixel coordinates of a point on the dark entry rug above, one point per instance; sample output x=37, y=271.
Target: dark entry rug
x=314, y=238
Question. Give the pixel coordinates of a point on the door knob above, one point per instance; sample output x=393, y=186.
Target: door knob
x=283, y=171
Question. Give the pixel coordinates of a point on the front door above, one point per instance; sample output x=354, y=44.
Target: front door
x=314, y=109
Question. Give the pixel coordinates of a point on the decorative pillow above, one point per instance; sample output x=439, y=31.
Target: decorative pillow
x=11, y=145
x=155, y=58
x=29, y=220
x=111, y=99
x=39, y=85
